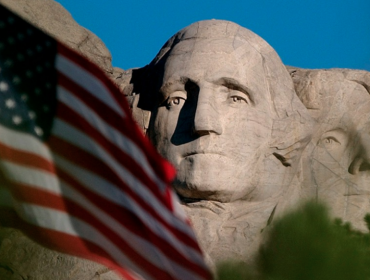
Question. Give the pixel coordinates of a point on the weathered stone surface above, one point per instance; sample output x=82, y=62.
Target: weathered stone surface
x=124, y=79
x=228, y=119
x=20, y=258
x=336, y=163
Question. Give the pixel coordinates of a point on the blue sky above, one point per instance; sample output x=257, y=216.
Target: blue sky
x=307, y=33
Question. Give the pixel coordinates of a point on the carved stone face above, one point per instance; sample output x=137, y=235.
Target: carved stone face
x=336, y=164
x=341, y=159
x=215, y=122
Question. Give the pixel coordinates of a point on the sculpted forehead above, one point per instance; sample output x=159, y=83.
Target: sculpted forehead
x=221, y=35
x=211, y=59
x=216, y=29
x=355, y=103
x=331, y=97
x=210, y=43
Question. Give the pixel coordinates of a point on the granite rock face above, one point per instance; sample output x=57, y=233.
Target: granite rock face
x=21, y=258
x=248, y=136
x=224, y=112
x=336, y=163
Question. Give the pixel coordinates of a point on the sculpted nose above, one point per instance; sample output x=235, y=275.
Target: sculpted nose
x=361, y=162
x=207, y=118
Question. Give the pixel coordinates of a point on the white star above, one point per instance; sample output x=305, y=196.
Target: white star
x=37, y=91
x=10, y=20
x=39, y=68
x=11, y=40
x=32, y=115
x=29, y=31
x=20, y=36
x=30, y=52
x=3, y=86
x=46, y=108
x=17, y=119
x=38, y=48
x=29, y=73
x=39, y=131
x=10, y=103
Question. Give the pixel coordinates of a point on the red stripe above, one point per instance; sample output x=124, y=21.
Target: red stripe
x=75, y=120
x=35, y=161
x=112, y=177
x=98, y=74
x=128, y=220
x=122, y=215
x=75, y=246
x=92, y=164
x=95, y=104
x=46, y=199
x=126, y=126
x=87, y=160
x=25, y=158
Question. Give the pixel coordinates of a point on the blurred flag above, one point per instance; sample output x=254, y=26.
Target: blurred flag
x=77, y=170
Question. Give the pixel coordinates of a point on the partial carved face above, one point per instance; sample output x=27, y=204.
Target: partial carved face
x=341, y=159
x=214, y=123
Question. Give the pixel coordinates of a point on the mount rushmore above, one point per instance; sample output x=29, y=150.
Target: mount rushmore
x=248, y=136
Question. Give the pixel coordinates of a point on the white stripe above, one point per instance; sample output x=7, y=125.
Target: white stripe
x=146, y=249
x=30, y=176
x=88, y=81
x=110, y=133
x=60, y=221
x=46, y=181
x=70, y=134
x=110, y=192
x=24, y=142
x=6, y=199
x=177, y=208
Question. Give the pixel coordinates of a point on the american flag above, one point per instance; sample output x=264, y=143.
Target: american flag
x=76, y=169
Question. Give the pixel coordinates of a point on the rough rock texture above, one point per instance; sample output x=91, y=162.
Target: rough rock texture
x=21, y=258
x=336, y=163
x=228, y=118
x=247, y=142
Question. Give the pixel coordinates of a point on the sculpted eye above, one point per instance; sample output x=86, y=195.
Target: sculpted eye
x=176, y=99
x=238, y=99
x=334, y=139
x=331, y=140
x=237, y=94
